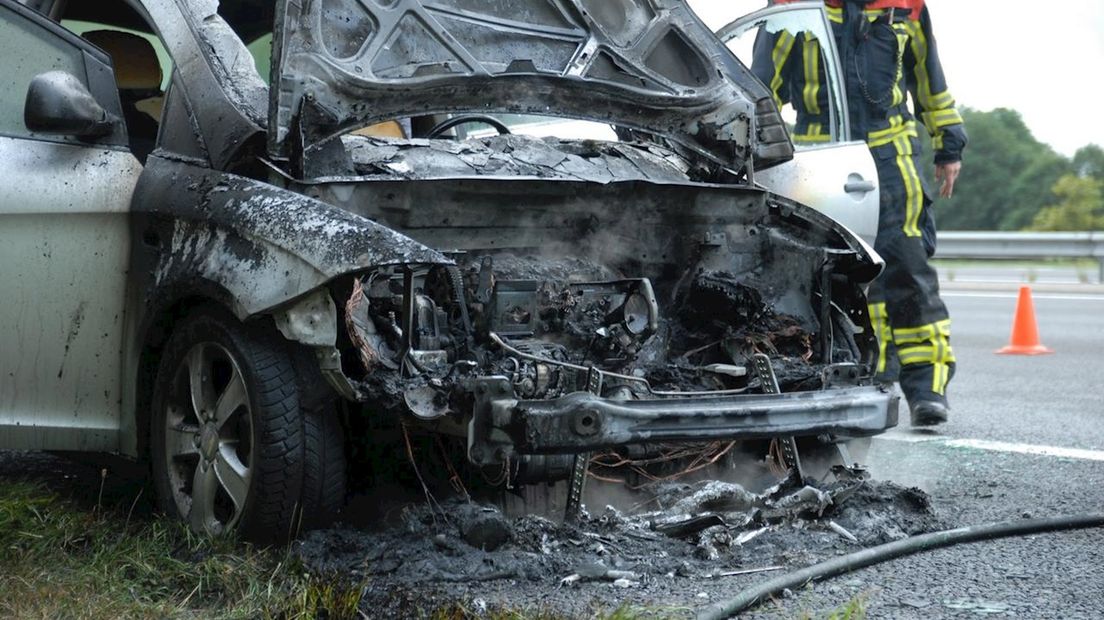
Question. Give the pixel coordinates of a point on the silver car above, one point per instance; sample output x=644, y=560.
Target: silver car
x=230, y=276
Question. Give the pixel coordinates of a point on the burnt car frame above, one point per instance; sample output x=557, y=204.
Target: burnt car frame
x=269, y=277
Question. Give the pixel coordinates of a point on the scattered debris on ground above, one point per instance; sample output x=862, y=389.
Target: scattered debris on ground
x=701, y=538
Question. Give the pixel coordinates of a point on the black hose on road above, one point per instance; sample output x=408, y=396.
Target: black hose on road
x=889, y=551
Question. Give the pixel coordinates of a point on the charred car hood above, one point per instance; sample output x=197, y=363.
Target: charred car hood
x=650, y=65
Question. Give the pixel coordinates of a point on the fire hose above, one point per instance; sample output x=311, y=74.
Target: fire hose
x=889, y=551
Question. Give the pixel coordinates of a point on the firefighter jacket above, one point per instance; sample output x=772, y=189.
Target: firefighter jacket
x=884, y=54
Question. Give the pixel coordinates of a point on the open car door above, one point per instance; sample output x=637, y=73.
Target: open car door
x=834, y=174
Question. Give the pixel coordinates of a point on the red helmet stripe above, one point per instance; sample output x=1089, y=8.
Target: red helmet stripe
x=912, y=6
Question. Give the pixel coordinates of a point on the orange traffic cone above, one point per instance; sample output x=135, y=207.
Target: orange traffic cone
x=1025, y=333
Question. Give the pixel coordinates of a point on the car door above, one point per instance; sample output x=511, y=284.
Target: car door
x=833, y=172
x=64, y=242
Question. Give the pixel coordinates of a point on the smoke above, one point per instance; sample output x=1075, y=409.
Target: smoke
x=903, y=463
x=898, y=457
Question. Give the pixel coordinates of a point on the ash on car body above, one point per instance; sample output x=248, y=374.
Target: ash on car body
x=298, y=285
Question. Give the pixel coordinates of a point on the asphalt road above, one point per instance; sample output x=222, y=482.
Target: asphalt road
x=1046, y=399
x=1026, y=438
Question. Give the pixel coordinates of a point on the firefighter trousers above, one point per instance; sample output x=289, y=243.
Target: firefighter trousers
x=908, y=316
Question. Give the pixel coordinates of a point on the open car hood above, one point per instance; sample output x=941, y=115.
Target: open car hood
x=649, y=65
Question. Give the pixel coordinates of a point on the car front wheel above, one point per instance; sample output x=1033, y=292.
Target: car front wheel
x=229, y=440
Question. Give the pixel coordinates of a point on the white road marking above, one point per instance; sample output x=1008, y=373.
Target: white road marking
x=910, y=437
x=1025, y=448
x=1072, y=281
x=1015, y=295
x=1000, y=446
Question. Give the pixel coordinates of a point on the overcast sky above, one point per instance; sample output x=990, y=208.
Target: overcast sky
x=1043, y=59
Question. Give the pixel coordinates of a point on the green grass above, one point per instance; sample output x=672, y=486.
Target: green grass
x=58, y=560
x=854, y=609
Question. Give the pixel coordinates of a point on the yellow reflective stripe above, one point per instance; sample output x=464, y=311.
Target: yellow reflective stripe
x=898, y=94
x=882, y=331
x=943, y=358
x=941, y=375
x=937, y=353
x=943, y=328
x=939, y=331
x=909, y=335
x=929, y=329
x=910, y=356
x=922, y=333
x=877, y=310
x=929, y=345
x=920, y=52
x=935, y=119
x=781, y=52
x=943, y=100
x=814, y=134
x=901, y=30
x=812, y=74
x=914, y=191
x=897, y=128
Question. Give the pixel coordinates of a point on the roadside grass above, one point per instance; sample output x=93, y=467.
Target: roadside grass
x=58, y=560
x=854, y=609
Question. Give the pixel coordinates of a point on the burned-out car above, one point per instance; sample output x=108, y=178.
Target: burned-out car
x=224, y=274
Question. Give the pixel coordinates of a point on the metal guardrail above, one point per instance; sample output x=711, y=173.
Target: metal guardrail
x=1021, y=245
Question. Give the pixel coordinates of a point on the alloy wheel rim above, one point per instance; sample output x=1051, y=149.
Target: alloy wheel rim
x=208, y=439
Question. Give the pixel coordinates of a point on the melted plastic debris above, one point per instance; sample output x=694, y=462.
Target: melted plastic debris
x=514, y=156
x=424, y=560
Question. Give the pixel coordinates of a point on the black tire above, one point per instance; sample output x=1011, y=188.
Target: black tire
x=259, y=455
x=325, y=474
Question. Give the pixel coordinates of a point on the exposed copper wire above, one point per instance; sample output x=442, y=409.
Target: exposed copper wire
x=454, y=478
x=775, y=459
x=702, y=457
x=432, y=501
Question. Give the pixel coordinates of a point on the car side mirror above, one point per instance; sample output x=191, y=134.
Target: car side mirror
x=58, y=103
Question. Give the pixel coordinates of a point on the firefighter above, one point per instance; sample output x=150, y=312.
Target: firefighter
x=886, y=50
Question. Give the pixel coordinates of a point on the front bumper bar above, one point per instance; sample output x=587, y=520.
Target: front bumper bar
x=583, y=422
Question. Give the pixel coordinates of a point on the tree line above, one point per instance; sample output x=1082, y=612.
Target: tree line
x=1012, y=181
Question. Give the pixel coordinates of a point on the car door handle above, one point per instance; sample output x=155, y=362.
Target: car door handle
x=852, y=187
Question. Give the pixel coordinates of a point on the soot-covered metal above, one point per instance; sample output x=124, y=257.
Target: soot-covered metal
x=535, y=298
x=598, y=298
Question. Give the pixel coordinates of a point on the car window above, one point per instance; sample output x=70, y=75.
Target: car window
x=792, y=53
x=29, y=49
x=143, y=71
x=261, y=49
x=542, y=127
x=80, y=27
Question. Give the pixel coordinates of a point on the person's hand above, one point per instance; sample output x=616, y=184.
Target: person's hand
x=946, y=174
